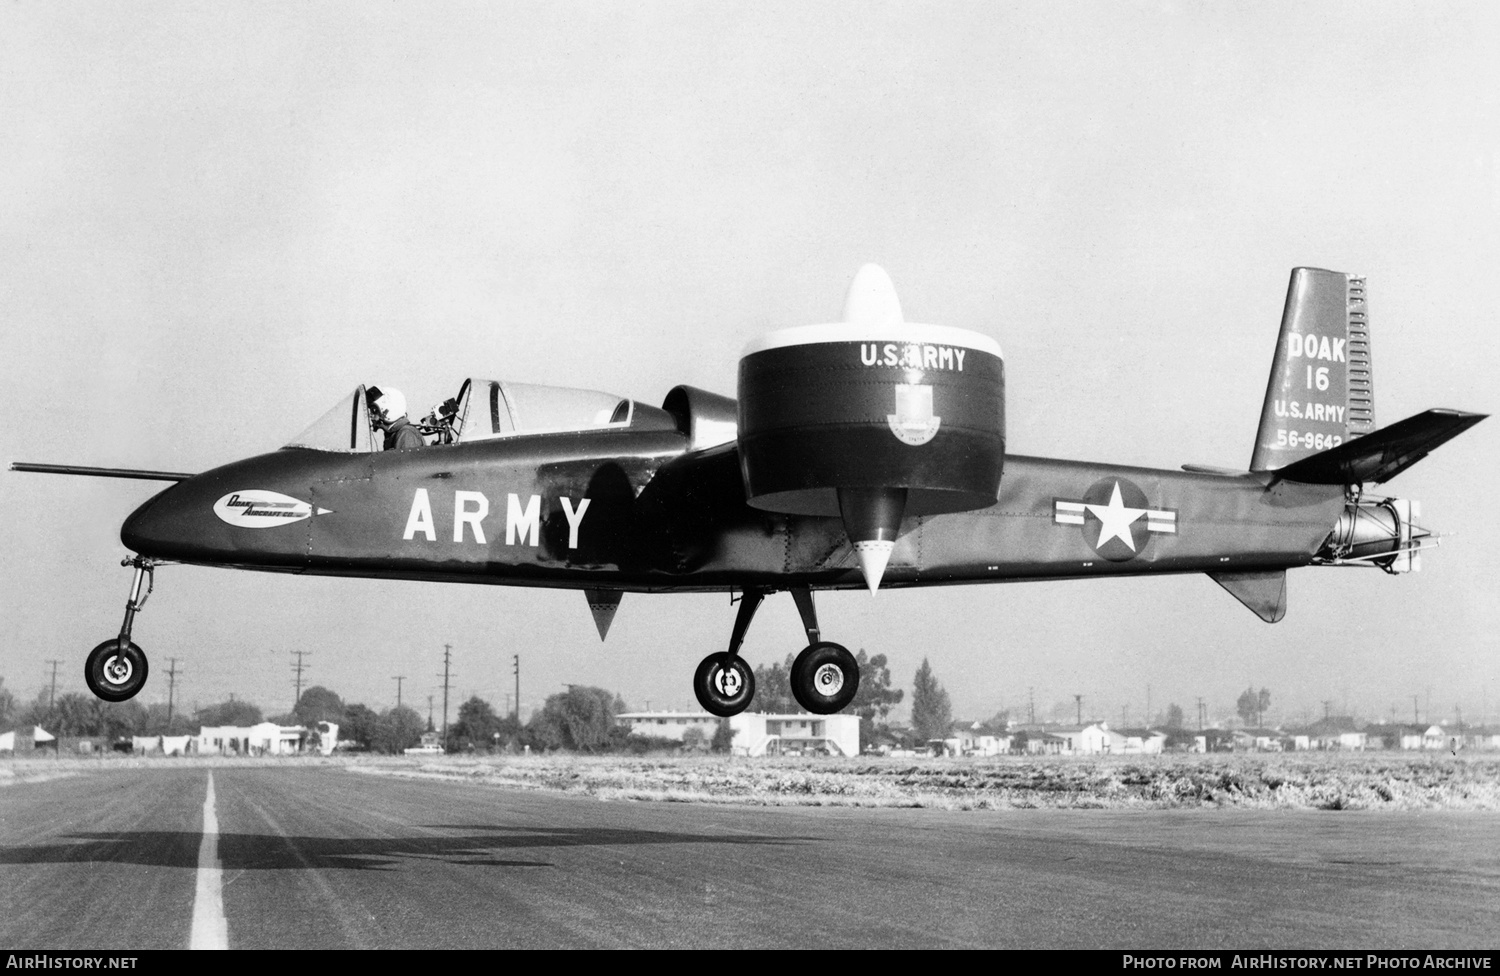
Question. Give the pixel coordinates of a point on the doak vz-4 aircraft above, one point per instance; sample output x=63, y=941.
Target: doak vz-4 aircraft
x=864, y=453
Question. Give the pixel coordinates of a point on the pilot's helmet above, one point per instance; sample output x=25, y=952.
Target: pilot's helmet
x=388, y=403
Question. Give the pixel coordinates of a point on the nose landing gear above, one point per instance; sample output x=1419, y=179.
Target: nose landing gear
x=116, y=670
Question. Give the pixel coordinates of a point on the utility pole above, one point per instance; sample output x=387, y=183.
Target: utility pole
x=1078, y=699
x=447, y=654
x=171, y=689
x=1031, y=705
x=52, y=696
x=516, y=658
x=399, y=678
x=1416, y=716
x=1200, y=714
x=299, y=667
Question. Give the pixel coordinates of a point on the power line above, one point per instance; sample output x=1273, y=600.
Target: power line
x=447, y=657
x=171, y=689
x=52, y=696
x=299, y=667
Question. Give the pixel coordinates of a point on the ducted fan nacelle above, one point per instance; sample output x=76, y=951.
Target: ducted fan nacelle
x=872, y=419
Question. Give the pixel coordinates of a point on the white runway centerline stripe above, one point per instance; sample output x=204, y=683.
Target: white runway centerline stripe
x=210, y=930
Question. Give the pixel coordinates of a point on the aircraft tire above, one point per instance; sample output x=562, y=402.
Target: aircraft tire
x=724, y=684
x=825, y=678
x=115, y=672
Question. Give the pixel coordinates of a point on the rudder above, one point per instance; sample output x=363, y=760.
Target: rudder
x=1321, y=393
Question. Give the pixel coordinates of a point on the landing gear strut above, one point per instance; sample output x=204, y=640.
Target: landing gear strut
x=116, y=670
x=724, y=683
x=825, y=676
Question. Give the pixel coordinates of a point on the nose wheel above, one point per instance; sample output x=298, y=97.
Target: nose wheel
x=116, y=670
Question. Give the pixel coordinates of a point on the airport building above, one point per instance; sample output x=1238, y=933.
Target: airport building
x=756, y=733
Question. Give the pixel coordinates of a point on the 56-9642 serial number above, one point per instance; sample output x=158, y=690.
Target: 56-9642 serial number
x=1319, y=442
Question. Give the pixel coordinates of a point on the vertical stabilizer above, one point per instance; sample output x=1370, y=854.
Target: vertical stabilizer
x=1320, y=393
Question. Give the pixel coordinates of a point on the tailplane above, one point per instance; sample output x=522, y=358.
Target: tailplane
x=1321, y=393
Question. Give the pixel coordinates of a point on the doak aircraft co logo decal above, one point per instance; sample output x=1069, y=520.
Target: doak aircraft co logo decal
x=1117, y=520
x=255, y=508
x=913, y=422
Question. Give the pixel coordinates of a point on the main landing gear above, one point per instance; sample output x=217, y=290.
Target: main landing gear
x=116, y=669
x=825, y=676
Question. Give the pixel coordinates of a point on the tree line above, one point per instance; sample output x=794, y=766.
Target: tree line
x=581, y=719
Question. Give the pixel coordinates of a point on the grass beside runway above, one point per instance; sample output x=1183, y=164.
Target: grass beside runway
x=1328, y=781
x=1299, y=781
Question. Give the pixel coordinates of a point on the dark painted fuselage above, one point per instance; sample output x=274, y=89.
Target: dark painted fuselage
x=635, y=510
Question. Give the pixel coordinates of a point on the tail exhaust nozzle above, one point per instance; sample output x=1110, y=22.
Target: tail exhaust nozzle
x=1381, y=533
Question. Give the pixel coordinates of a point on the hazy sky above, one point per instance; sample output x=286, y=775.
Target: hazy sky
x=215, y=219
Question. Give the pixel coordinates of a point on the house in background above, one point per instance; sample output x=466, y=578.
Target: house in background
x=1150, y=742
x=756, y=733
x=265, y=739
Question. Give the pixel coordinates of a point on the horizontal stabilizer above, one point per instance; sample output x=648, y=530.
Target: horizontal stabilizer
x=1264, y=593
x=1381, y=455
x=100, y=472
x=1212, y=469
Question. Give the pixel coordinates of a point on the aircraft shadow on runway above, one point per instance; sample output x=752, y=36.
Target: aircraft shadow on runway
x=267, y=852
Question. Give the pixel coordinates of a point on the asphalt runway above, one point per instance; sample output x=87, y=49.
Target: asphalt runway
x=318, y=857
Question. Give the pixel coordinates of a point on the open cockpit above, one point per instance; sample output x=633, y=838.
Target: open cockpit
x=485, y=410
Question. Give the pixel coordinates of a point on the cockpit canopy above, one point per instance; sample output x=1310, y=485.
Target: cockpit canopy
x=488, y=409
x=345, y=427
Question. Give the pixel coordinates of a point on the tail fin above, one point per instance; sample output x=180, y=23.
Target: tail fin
x=1321, y=393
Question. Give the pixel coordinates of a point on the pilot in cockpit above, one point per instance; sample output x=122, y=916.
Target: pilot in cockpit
x=388, y=412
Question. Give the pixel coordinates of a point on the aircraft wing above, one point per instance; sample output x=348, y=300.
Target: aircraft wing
x=1382, y=454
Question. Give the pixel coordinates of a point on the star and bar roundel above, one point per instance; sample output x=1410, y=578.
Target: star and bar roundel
x=1116, y=519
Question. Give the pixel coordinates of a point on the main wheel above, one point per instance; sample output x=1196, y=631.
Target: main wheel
x=825, y=677
x=724, y=684
x=115, y=671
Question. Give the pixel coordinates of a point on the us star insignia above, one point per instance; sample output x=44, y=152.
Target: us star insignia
x=1125, y=519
